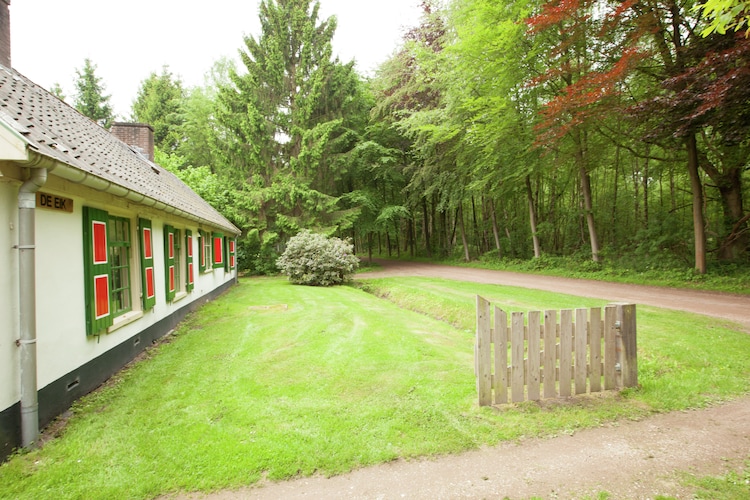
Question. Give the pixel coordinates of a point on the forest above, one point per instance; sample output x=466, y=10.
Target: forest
x=593, y=130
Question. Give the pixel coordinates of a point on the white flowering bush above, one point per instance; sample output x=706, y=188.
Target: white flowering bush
x=313, y=259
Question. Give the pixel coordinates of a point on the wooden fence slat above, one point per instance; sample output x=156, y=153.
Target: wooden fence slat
x=581, y=340
x=517, y=352
x=550, y=353
x=566, y=350
x=532, y=376
x=595, y=349
x=483, y=346
x=610, y=354
x=501, y=356
x=628, y=359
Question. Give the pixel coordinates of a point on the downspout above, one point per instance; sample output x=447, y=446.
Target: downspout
x=27, y=304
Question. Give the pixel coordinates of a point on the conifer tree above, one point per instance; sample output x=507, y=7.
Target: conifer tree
x=89, y=97
x=282, y=112
x=159, y=104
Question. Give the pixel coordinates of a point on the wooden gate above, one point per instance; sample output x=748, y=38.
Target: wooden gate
x=582, y=352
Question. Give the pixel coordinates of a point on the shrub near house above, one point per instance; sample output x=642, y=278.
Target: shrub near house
x=313, y=259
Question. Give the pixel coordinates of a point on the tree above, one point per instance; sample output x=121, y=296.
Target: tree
x=159, y=104
x=57, y=91
x=282, y=116
x=89, y=97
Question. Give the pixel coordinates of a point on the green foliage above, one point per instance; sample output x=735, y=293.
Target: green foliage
x=258, y=256
x=734, y=485
x=724, y=15
x=89, y=95
x=57, y=91
x=288, y=121
x=314, y=259
x=159, y=103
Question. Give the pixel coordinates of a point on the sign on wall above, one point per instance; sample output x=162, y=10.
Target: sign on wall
x=54, y=202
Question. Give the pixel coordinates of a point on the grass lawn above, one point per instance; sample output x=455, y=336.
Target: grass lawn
x=274, y=380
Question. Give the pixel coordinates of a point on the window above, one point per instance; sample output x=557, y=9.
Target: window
x=107, y=253
x=205, y=262
x=119, y=252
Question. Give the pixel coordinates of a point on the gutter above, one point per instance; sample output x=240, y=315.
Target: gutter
x=87, y=179
x=27, y=301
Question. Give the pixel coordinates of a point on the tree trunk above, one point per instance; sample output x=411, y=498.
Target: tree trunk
x=645, y=193
x=495, y=231
x=734, y=229
x=369, y=247
x=426, y=228
x=532, y=218
x=699, y=232
x=467, y=256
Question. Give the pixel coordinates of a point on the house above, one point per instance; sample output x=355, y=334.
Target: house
x=102, y=252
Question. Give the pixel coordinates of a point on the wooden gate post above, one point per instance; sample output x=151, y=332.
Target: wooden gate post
x=483, y=352
x=626, y=346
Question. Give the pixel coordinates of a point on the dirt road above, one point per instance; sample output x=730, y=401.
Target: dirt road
x=735, y=308
x=629, y=460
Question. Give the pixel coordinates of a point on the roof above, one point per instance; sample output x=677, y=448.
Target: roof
x=56, y=130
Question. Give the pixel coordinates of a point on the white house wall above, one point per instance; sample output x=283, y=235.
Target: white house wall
x=62, y=343
x=8, y=298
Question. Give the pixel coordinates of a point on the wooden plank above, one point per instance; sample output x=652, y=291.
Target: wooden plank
x=517, y=351
x=581, y=341
x=484, y=353
x=501, y=356
x=628, y=358
x=610, y=347
x=595, y=348
x=550, y=353
x=532, y=375
x=566, y=350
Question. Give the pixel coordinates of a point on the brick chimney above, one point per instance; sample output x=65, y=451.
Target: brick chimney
x=5, y=33
x=139, y=136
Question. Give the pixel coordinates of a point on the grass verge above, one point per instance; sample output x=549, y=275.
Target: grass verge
x=278, y=381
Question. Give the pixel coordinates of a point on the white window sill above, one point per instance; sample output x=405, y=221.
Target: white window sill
x=179, y=296
x=124, y=319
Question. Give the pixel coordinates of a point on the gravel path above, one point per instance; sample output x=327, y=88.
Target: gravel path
x=629, y=460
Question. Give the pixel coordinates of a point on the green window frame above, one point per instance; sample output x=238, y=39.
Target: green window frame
x=148, y=279
x=170, y=261
x=218, y=250
x=189, y=264
x=107, y=256
x=206, y=261
x=230, y=253
x=119, y=270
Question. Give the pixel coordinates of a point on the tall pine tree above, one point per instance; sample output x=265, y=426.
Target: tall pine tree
x=282, y=114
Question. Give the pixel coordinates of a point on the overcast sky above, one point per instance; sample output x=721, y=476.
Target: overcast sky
x=128, y=40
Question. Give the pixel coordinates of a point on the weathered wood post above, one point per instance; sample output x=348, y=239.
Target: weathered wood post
x=627, y=358
x=483, y=353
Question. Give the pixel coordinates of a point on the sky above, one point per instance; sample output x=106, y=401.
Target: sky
x=130, y=39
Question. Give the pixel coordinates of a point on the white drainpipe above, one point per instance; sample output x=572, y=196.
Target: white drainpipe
x=27, y=305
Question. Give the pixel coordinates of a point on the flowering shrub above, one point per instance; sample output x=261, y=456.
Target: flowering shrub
x=313, y=259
